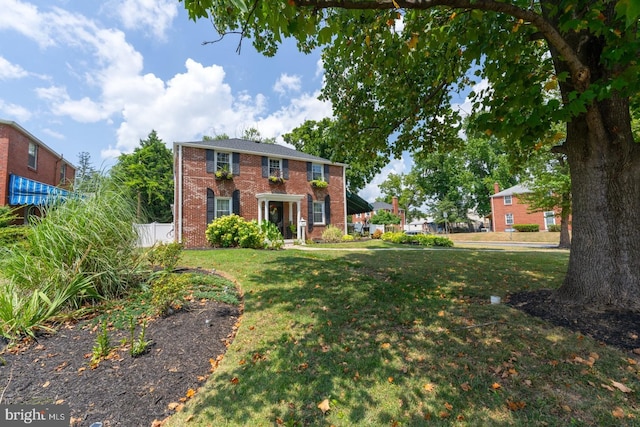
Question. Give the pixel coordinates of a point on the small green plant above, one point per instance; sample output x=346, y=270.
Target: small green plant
x=276, y=180
x=555, y=228
x=348, y=238
x=165, y=256
x=319, y=183
x=167, y=292
x=527, y=228
x=234, y=231
x=332, y=234
x=272, y=237
x=139, y=345
x=102, y=347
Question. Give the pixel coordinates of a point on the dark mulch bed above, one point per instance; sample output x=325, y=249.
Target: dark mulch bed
x=122, y=390
x=618, y=328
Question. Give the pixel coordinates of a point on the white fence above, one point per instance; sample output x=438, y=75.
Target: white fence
x=150, y=234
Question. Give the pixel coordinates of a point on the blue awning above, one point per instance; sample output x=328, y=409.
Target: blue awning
x=24, y=191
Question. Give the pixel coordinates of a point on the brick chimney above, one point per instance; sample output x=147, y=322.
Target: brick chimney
x=496, y=188
x=395, y=208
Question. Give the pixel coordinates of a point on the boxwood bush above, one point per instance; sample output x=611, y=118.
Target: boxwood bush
x=419, y=239
x=526, y=228
x=554, y=228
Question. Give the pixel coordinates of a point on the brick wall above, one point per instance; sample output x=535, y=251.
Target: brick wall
x=519, y=211
x=196, y=181
x=14, y=159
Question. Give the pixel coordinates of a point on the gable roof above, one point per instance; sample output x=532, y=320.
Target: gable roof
x=255, y=147
x=513, y=191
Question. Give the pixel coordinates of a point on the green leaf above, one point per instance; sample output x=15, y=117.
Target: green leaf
x=629, y=9
x=240, y=4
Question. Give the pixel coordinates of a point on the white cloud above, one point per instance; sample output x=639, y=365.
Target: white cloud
x=25, y=19
x=466, y=107
x=11, y=71
x=152, y=16
x=287, y=83
x=18, y=112
x=396, y=166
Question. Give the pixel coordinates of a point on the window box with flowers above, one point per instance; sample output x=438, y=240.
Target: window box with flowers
x=276, y=180
x=222, y=174
x=319, y=183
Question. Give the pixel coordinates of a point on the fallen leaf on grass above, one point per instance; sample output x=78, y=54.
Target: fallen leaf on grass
x=465, y=386
x=324, y=406
x=448, y=405
x=386, y=345
x=515, y=406
x=496, y=386
x=390, y=379
x=190, y=393
x=623, y=388
x=429, y=387
x=234, y=380
x=618, y=412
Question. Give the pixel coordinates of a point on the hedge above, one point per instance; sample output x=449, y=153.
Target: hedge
x=526, y=228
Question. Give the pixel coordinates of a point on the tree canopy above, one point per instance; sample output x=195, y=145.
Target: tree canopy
x=148, y=174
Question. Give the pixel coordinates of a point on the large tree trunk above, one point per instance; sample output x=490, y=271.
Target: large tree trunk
x=604, y=263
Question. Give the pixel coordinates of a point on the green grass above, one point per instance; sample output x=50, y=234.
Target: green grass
x=403, y=338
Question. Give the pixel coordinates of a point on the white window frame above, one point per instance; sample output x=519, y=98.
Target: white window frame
x=316, y=211
x=220, y=213
x=508, y=219
x=508, y=199
x=317, y=174
x=223, y=165
x=547, y=215
x=275, y=170
x=32, y=161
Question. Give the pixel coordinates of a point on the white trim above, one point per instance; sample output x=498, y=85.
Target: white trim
x=178, y=183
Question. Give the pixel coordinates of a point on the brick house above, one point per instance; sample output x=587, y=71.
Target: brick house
x=507, y=209
x=364, y=218
x=30, y=171
x=265, y=182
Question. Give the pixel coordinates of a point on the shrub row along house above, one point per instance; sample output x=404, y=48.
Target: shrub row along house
x=31, y=173
x=258, y=181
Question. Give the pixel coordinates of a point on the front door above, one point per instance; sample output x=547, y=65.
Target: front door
x=276, y=215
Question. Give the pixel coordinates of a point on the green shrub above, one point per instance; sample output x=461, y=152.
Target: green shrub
x=554, y=228
x=272, y=237
x=376, y=234
x=348, y=238
x=396, y=237
x=165, y=256
x=431, y=240
x=168, y=292
x=231, y=231
x=526, y=228
x=332, y=234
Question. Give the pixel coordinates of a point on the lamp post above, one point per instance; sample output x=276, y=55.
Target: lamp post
x=303, y=225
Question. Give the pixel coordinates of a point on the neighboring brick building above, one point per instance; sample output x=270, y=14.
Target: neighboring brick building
x=29, y=170
x=507, y=209
x=365, y=217
x=201, y=196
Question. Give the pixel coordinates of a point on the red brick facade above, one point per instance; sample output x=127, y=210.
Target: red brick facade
x=14, y=159
x=507, y=209
x=253, y=193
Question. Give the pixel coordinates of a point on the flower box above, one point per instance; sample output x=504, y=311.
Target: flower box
x=276, y=180
x=223, y=174
x=319, y=183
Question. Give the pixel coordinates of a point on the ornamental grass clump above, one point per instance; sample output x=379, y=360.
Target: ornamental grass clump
x=332, y=234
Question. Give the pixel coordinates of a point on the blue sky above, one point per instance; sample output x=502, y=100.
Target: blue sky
x=99, y=76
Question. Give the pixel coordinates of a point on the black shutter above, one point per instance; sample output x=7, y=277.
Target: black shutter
x=211, y=205
x=235, y=163
x=265, y=167
x=211, y=161
x=327, y=210
x=310, y=211
x=285, y=168
x=326, y=173
x=309, y=171
x=235, y=202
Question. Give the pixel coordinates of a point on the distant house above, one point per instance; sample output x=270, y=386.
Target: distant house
x=258, y=181
x=365, y=217
x=31, y=173
x=508, y=209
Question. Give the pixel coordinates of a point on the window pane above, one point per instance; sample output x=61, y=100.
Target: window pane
x=33, y=155
x=318, y=212
x=222, y=161
x=509, y=219
x=507, y=200
x=223, y=207
x=274, y=167
x=317, y=171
